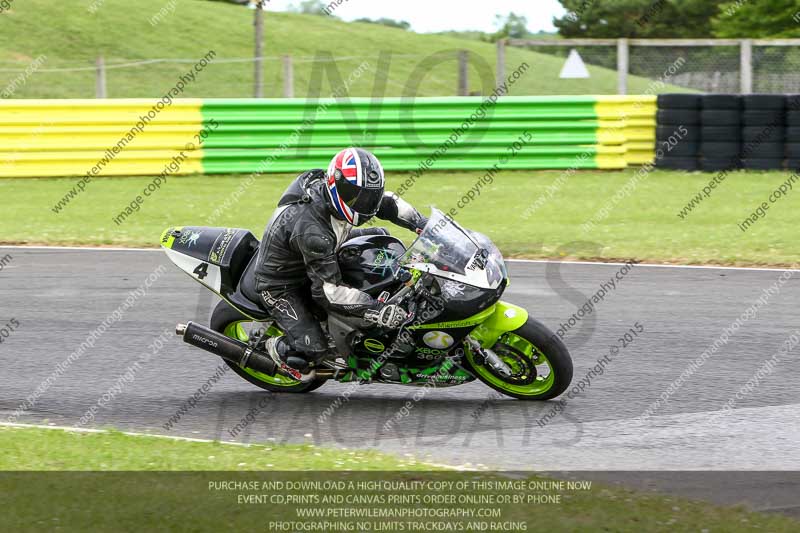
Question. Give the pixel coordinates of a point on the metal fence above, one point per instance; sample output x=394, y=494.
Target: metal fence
x=616, y=66
x=708, y=65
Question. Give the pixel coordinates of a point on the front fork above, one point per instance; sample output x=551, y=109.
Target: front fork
x=506, y=317
x=484, y=356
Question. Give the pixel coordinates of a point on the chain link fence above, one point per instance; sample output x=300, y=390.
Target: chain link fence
x=707, y=65
x=46, y=77
x=710, y=69
x=615, y=66
x=776, y=69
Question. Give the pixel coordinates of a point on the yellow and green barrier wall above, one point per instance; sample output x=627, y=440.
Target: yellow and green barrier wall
x=41, y=138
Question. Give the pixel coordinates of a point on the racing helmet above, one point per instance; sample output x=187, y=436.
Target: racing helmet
x=355, y=184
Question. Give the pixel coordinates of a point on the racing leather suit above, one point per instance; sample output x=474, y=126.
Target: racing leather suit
x=297, y=258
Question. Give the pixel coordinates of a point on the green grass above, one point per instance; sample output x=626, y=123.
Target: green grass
x=115, y=482
x=120, y=31
x=54, y=450
x=643, y=226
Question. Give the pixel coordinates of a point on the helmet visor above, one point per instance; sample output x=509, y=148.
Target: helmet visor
x=362, y=200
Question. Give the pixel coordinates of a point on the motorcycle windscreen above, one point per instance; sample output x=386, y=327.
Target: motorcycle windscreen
x=442, y=244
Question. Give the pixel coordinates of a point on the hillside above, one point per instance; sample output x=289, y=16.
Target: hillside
x=71, y=36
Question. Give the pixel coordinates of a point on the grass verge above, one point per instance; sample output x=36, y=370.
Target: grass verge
x=536, y=214
x=170, y=498
x=122, y=33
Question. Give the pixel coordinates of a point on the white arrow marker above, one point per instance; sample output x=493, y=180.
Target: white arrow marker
x=574, y=67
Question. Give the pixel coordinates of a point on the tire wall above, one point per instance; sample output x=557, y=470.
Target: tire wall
x=715, y=132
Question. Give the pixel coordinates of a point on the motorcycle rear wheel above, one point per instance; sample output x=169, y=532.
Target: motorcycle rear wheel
x=228, y=321
x=528, y=350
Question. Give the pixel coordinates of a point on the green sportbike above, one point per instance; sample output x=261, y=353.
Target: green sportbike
x=450, y=280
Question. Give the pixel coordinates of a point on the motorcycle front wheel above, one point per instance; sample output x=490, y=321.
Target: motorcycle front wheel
x=541, y=367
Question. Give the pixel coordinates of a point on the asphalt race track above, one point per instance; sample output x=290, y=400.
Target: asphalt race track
x=59, y=296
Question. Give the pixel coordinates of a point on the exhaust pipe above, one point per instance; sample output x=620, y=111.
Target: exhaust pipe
x=231, y=350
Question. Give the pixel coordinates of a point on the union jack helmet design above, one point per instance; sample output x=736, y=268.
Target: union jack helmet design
x=355, y=185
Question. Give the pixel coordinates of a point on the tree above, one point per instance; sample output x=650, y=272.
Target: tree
x=764, y=18
x=512, y=26
x=611, y=19
x=402, y=24
x=310, y=7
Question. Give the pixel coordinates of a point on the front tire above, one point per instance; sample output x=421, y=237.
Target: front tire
x=528, y=350
x=228, y=321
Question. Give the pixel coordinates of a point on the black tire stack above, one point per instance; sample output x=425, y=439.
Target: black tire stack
x=763, y=131
x=678, y=131
x=793, y=132
x=716, y=132
x=721, y=132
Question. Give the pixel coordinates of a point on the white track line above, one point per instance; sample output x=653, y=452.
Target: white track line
x=654, y=265
x=604, y=263
x=128, y=433
x=90, y=248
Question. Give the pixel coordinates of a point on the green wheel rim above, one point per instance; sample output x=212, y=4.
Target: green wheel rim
x=235, y=330
x=524, y=348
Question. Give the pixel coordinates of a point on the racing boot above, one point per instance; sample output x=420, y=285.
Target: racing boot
x=288, y=359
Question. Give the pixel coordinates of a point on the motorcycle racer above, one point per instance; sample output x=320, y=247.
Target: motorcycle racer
x=297, y=263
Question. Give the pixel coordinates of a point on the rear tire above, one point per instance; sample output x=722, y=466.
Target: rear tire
x=548, y=346
x=224, y=316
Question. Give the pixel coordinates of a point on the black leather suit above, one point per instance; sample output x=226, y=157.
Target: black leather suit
x=297, y=260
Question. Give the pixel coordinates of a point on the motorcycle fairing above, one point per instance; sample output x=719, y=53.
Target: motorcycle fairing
x=215, y=257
